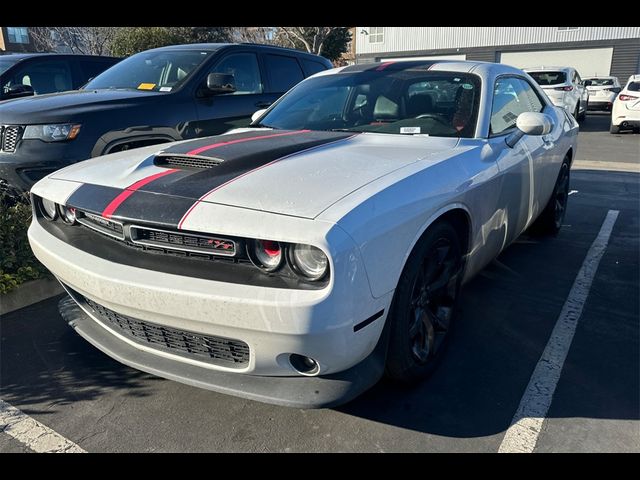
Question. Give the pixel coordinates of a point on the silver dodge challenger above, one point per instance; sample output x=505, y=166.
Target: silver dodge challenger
x=298, y=260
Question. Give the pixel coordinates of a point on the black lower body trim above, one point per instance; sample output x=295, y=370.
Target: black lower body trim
x=368, y=321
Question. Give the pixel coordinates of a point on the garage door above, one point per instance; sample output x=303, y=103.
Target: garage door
x=588, y=61
x=433, y=57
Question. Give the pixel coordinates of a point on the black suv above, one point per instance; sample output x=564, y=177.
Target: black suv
x=160, y=95
x=27, y=74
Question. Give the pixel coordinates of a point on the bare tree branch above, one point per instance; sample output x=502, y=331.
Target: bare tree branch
x=87, y=40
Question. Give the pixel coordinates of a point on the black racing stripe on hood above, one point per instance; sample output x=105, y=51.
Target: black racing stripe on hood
x=238, y=159
x=145, y=207
x=93, y=198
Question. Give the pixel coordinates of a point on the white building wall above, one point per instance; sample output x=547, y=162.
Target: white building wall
x=406, y=39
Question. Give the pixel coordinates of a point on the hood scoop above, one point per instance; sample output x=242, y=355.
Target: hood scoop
x=185, y=162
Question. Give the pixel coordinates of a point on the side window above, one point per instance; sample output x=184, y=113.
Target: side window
x=93, y=68
x=509, y=101
x=45, y=77
x=284, y=72
x=245, y=70
x=534, y=104
x=311, y=67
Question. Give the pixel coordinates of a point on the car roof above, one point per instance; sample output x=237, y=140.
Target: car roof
x=468, y=66
x=546, y=68
x=25, y=56
x=603, y=77
x=213, y=47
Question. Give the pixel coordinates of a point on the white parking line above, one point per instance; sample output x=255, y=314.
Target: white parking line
x=522, y=435
x=32, y=433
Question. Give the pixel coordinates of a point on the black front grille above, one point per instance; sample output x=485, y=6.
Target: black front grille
x=216, y=350
x=186, y=161
x=182, y=241
x=9, y=136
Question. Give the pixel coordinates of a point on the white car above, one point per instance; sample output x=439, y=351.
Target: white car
x=625, y=114
x=602, y=92
x=564, y=87
x=295, y=261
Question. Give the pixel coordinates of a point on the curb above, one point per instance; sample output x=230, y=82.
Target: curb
x=29, y=293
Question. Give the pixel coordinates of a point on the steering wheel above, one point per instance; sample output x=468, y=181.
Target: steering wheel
x=435, y=116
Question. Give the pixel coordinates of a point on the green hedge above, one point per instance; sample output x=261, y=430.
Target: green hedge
x=17, y=263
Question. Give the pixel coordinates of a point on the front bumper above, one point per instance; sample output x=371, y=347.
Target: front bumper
x=273, y=322
x=300, y=392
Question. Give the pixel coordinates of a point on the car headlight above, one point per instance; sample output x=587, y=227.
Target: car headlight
x=52, y=133
x=68, y=214
x=266, y=254
x=310, y=261
x=49, y=209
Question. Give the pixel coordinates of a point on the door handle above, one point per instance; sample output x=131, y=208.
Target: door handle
x=263, y=104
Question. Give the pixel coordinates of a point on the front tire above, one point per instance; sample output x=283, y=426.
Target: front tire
x=614, y=128
x=582, y=116
x=425, y=304
x=550, y=220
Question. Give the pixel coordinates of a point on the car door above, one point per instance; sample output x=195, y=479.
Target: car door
x=520, y=166
x=220, y=113
x=283, y=72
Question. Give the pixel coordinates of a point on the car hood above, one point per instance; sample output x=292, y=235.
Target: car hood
x=66, y=106
x=297, y=173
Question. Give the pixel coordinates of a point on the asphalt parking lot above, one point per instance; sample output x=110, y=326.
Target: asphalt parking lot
x=508, y=313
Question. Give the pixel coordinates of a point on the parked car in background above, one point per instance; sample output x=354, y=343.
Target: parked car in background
x=625, y=114
x=295, y=261
x=160, y=95
x=564, y=87
x=602, y=92
x=27, y=74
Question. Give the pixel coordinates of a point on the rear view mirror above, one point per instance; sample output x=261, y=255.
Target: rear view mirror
x=18, y=90
x=220, y=83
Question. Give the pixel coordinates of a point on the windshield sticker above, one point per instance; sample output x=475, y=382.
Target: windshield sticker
x=146, y=86
x=410, y=130
x=165, y=89
x=467, y=86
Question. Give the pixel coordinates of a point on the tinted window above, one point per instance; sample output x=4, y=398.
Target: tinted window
x=549, y=78
x=245, y=71
x=634, y=86
x=311, y=67
x=395, y=102
x=511, y=98
x=600, y=82
x=93, y=68
x=284, y=72
x=5, y=63
x=151, y=71
x=44, y=76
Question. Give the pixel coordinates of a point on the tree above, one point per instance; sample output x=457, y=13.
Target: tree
x=130, y=40
x=201, y=34
x=86, y=40
x=330, y=42
x=265, y=35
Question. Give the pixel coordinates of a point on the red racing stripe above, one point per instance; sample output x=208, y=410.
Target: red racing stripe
x=241, y=140
x=115, y=203
x=383, y=66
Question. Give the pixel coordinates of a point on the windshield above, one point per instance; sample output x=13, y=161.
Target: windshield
x=601, y=82
x=408, y=102
x=152, y=71
x=6, y=63
x=549, y=78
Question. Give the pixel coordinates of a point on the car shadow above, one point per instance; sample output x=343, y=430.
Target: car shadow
x=596, y=122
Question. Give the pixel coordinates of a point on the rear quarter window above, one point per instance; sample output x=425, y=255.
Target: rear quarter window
x=311, y=67
x=284, y=72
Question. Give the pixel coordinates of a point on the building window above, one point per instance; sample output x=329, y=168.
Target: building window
x=376, y=34
x=568, y=29
x=18, y=34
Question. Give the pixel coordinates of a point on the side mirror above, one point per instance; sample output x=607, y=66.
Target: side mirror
x=19, y=90
x=530, y=123
x=220, y=83
x=615, y=89
x=587, y=83
x=257, y=115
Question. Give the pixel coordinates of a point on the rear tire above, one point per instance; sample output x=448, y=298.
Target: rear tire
x=425, y=305
x=582, y=116
x=614, y=128
x=550, y=220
